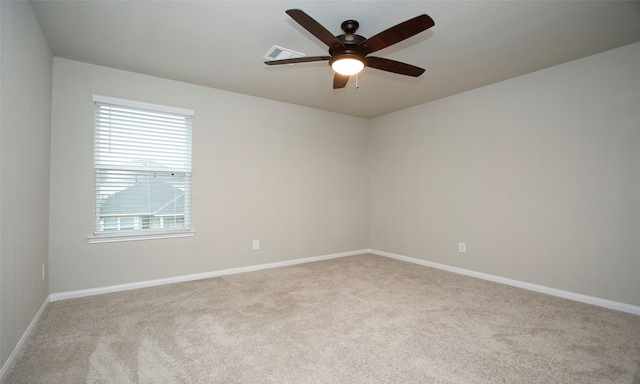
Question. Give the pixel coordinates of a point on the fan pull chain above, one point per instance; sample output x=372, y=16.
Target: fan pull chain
x=356, y=81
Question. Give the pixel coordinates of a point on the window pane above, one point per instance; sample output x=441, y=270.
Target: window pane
x=143, y=195
x=110, y=224
x=126, y=223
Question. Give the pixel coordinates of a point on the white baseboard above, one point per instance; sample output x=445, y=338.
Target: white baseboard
x=196, y=276
x=12, y=357
x=520, y=284
x=498, y=279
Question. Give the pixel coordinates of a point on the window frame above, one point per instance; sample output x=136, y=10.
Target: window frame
x=139, y=233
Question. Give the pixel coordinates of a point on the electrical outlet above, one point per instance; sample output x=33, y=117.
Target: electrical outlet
x=462, y=247
x=256, y=244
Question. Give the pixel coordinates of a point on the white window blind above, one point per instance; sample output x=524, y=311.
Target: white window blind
x=142, y=165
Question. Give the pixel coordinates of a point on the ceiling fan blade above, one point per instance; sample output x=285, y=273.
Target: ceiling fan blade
x=339, y=81
x=295, y=60
x=394, y=66
x=396, y=34
x=316, y=29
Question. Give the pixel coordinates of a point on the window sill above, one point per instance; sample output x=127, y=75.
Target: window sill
x=148, y=236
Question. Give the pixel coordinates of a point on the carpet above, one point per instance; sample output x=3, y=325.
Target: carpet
x=358, y=319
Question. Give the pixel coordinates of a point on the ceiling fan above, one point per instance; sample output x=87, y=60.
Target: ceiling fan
x=348, y=52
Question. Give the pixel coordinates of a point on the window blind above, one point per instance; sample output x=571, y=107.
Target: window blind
x=142, y=166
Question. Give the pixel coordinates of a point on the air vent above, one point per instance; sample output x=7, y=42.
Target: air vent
x=279, y=53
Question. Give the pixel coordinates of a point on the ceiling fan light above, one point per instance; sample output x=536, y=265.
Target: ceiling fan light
x=347, y=66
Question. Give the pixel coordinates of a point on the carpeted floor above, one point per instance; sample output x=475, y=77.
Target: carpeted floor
x=358, y=319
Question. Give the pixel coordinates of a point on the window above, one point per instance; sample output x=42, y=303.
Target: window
x=142, y=167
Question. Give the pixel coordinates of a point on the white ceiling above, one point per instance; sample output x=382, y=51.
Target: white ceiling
x=221, y=44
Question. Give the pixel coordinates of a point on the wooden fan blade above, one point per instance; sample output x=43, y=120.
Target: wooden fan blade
x=315, y=28
x=295, y=60
x=394, y=66
x=339, y=81
x=396, y=34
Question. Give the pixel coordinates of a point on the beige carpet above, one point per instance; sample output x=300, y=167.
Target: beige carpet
x=359, y=319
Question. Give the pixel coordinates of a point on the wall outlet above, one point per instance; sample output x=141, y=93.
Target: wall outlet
x=44, y=271
x=462, y=247
x=256, y=244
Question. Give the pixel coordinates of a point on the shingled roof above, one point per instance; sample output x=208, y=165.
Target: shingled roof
x=147, y=197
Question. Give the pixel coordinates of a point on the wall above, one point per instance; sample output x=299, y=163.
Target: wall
x=293, y=177
x=539, y=175
x=25, y=116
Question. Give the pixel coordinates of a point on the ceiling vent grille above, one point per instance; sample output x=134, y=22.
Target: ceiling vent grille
x=279, y=53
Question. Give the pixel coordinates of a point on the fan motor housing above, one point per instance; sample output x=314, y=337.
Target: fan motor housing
x=350, y=42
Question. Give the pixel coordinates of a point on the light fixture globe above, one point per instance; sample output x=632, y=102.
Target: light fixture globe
x=347, y=64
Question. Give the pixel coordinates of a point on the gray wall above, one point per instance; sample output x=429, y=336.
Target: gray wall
x=539, y=175
x=294, y=178
x=25, y=117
